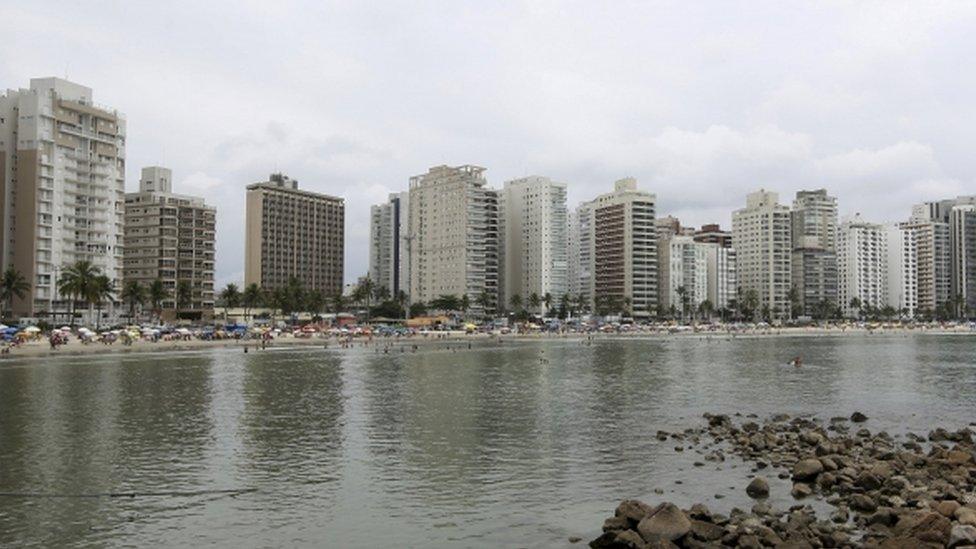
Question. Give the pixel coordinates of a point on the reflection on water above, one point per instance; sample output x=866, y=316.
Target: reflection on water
x=520, y=443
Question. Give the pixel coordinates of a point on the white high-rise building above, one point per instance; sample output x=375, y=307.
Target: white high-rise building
x=761, y=236
x=389, y=242
x=535, y=239
x=454, y=229
x=62, y=169
x=933, y=255
x=584, y=247
x=862, y=259
x=721, y=275
x=682, y=268
x=624, y=250
x=902, y=269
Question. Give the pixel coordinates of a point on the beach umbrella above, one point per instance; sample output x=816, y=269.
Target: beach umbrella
x=3, y=326
x=32, y=329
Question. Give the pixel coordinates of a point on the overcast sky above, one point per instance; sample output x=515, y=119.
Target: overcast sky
x=701, y=103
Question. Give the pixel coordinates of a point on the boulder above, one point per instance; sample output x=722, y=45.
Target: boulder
x=706, y=531
x=807, y=469
x=633, y=510
x=758, y=488
x=858, y=417
x=801, y=490
x=961, y=535
x=965, y=515
x=863, y=503
x=947, y=508
x=667, y=522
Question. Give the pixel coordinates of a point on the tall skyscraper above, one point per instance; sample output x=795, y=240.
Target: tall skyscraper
x=814, y=257
x=962, y=246
x=862, y=264
x=170, y=237
x=582, y=261
x=454, y=226
x=389, y=242
x=624, y=259
x=62, y=169
x=930, y=230
x=721, y=274
x=761, y=236
x=293, y=233
x=902, y=269
x=535, y=239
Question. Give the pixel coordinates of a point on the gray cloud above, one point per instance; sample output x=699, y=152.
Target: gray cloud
x=702, y=102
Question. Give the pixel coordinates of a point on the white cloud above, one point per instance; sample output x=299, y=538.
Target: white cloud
x=701, y=102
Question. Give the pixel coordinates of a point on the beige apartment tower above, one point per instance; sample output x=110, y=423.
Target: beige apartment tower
x=170, y=237
x=293, y=233
x=454, y=227
x=62, y=187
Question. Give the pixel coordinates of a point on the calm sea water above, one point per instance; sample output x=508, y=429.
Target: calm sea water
x=514, y=444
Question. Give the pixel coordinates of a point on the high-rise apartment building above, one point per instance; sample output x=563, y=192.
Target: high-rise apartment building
x=535, y=239
x=761, y=236
x=862, y=264
x=624, y=245
x=293, y=233
x=814, y=257
x=454, y=226
x=930, y=228
x=902, y=269
x=683, y=272
x=582, y=259
x=170, y=237
x=721, y=275
x=389, y=242
x=962, y=246
x=62, y=169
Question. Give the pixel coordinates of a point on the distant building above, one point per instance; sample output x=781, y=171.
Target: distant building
x=862, y=264
x=932, y=247
x=814, y=257
x=389, y=243
x=902, y=269
x=454, y=226
x=293, y=233
x=535, y=239
x=683, y=269
x=721, y=275
x=62, y=189
x=713, y=234
x=582, y=264
x=170, y=237
x=624, y=260
x=962, y=246
x=761, y=236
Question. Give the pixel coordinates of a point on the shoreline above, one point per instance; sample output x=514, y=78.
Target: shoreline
x=41, y=348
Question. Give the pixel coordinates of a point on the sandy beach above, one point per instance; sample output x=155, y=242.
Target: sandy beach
x=41, y=348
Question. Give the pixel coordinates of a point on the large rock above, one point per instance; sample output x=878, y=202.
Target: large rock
x=807, y=469
x=962, y=534
x=758, y=488
x=667, y=522
x=633, y=510
x=863, y=503
x=858, y=417
x=706, y=531
x=965, y=515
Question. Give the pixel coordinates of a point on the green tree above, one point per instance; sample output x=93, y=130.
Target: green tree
x=464, y=304
x=12, y=285
x=231, y=297
x=381, y=294
x=484, y=301
x=535, y=302
x=516, y=302
x=547, y=300
x=251, y=298
x=157, y=294
x=134, y=294
x=794, y=298
x=338, y=303
x=365, y=293
x=750, y=303
x=77, y=282
x=184, y=295
x=101, y=289
x=685, y=300
x=315, y=302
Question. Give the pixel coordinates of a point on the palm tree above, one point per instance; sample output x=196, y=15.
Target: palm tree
x=365, y=289
x=794, y=298
x=516, y=302
x=338, y=303
x=251, y=298
x=315, y=301
x=12, y=284
x=484, y=301
x=231, y=297
x=157, y=294
x=705, y=308
x=464, y=304
x=134, y=294
x=184, y=295
x=856, y=304
x=77, y=281
x=381, y=294
x=683, y=298
x=547, y=301
x=535, y=301
x=102, y=288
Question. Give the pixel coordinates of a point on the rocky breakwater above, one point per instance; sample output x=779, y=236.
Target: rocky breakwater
x=884, y=491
